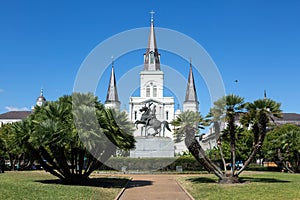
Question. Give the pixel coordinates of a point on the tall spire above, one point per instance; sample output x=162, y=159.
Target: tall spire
x=191, y=94
x=152, y=57
x=191, y=101
x=112, y=93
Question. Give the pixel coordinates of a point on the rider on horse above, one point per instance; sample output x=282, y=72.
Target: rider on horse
x=148, y=113
x=149, y=120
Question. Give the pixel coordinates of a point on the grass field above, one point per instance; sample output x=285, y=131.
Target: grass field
x=42, y=185
x=259, y=185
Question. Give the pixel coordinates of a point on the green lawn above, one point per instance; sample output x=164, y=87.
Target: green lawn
x=259, y=185
x=41, y=185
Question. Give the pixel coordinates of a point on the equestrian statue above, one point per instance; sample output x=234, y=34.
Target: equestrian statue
x=148, y=119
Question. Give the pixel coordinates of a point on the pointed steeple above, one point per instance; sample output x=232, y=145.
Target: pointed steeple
x=191, y=100
x=152, y=57
x=191, y=94
x=112, y=98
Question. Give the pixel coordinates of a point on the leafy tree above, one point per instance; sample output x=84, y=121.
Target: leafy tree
x=2, y=141
x=283, y=147
x=243, y=146
x=74, y=136
x=189, y=122
x=15, y=139
x=187, y=118
x=258, y=117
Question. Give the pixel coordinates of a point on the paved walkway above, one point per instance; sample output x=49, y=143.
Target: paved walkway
x=146, y=187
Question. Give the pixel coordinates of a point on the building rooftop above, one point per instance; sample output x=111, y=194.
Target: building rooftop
x=15, y=115
x=289, y=117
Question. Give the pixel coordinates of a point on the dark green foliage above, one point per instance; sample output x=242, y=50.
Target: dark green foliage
x=283, y=147
x=243, y=146
x=73, y=136
x=15, y=142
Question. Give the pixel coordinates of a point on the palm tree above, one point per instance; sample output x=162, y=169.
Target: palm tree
x=76, y=135
x=216, y=116
x=259, y=114
x=189, y=122
x=16, y=140
x=126, y=127
x=234, y=105
x=227, y=108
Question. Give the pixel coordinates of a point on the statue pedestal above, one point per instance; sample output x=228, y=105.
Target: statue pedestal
x=153, y=147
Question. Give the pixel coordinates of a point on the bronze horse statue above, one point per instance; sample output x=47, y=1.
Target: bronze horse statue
x=149, y=120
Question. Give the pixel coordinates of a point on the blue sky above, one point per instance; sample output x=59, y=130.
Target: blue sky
x=43, y=44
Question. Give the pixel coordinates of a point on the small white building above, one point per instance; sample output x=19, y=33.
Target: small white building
x=15, y=116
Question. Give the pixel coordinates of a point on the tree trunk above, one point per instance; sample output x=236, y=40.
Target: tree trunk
x=196, y=150
x=81, y=160
x=222, y=157
x=229, y=179
x=219, y=143
x=260, y=132
x=231, y=127
x=108, y=152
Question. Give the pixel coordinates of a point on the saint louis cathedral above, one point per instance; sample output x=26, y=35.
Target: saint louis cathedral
x=152, y=91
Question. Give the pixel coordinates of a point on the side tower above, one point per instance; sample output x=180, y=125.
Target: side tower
x=191, y=101
x=112, y=98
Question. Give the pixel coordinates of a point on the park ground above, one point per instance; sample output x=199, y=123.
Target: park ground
x=256, y=185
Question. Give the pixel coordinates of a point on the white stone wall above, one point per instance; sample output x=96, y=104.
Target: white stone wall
x=151, y=79
x=8, y=121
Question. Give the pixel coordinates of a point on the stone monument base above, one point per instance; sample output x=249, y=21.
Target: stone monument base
x=153, y=147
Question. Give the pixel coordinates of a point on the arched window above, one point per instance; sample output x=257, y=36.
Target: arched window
x=154, y=91
x=135, y=115
x=167, y=115
x=148, y=91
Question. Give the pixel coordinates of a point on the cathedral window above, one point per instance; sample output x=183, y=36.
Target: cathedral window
x=135, y=115
x=154, y=91
x=147, y=91
x=167, y=115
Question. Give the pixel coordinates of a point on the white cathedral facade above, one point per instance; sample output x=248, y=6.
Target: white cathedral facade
x=152, y=92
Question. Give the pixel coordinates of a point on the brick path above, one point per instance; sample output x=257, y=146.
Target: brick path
x=146, y=187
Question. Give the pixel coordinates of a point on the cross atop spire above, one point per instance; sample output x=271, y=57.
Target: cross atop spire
x=152, y=15
x=112, y=61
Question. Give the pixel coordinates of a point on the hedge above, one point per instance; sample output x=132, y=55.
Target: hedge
x=163, y=164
